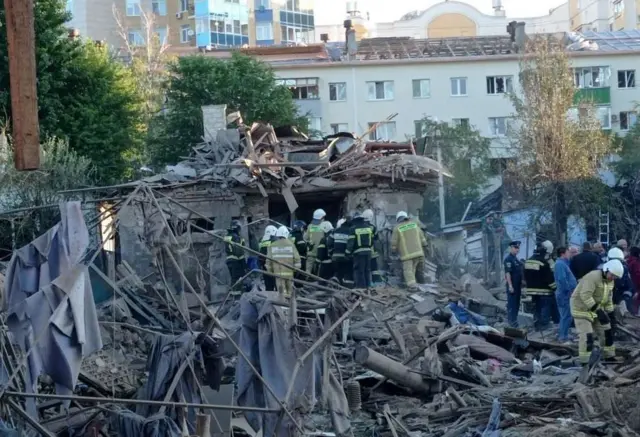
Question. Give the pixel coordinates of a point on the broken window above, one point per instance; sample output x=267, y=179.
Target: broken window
x=628, y=119
x=499, y=84
x=497, y=166
x=338, y=91
x=626, y=78
x=380, y=90
x=591, y=77
x=385, y=131
x=339, y=127
x=301, y=89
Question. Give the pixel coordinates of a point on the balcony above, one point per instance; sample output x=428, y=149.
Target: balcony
x=597, y=96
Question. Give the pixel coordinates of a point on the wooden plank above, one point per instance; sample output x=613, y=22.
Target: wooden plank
x=292, y=203
x=22, y=79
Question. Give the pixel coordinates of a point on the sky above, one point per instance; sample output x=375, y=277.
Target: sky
x=333, y=11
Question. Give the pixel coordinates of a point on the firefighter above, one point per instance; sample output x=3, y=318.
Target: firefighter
x=284, y=251
x=376, y=265
x=268, y=237
x=623, y=290
x=323, y=254
x=409, y=242
x=312, y=236
x=342, y=265
x=591, y=302
x=360, y=246
x=541, y=285
x=297, y=236
x=235, y=254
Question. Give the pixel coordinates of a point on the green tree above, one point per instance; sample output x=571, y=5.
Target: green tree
x=559, y=155
x=243, y=83
x=84, y=95
x=465, y=153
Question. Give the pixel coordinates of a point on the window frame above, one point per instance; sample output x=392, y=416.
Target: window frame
x=507, y=85
x=295, y=84
x=492, y=124
x=420, y=83
x=629, y=126
x=579, y=73
x=385, y=89
x=461, y=122
x=335, y=127
x=161, y=11
x=263, y=27
x=183, y=28
x=373, y=134
x=133, y=8
x=459, y=80
x=626, y=79
x=336, y=86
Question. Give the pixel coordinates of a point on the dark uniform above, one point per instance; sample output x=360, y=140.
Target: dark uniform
x=342, y=264
x=297, y=236
x=235, y=254
x=269, y=281
x=323, y=258
x=360, y=245
x=376, y=264
x=513, y=267
x=541, y=286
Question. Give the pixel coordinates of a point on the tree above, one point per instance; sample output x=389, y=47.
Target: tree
x=465, y=153
x=242, y=83
x=559, y=154
x=84, y=95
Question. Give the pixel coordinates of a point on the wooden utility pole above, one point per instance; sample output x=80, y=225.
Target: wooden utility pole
x=22, y=78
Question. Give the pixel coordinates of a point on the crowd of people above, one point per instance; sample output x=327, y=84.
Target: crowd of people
x=572, y=288
x=348, y=254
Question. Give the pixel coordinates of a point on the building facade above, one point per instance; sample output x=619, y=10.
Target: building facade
x=604, y=15
x=274, y=22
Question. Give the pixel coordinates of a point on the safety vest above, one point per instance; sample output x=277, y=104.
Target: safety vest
x=233, y=251
x=314, y=235
x=539, y=276
x=592, y=289
x=284, y=251
x=361, y=238
x=340, y=239
x=408, y=239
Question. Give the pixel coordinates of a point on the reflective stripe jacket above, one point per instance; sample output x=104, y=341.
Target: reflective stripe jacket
x=301, y=244
x=408, y=240
x=233, y=251
x=538, y=275
x=593, y=289
x=323, y=254
x=313, y=236
x=264, y=249
x=338, y=240
x=285, y=251
x=360, y=238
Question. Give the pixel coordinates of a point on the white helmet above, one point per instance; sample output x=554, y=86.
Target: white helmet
x=341, y=222
x=319, y=214
x=282, y=232
x=614, y=267
x=401, y=215
x=326, y=226
x=615, y=253
x=269, y=232
x=367, y=214
x=548, y=246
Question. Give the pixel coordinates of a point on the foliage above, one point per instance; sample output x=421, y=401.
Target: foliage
x=61, y=169
x=558, y=155
x=243, y=83
x=84, y=95
x=465, y=153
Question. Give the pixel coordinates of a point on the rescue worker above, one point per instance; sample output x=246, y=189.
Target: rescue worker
x=554, y=312
x=590, y=303
x=342, y=266
x=235, y=254
x=284, y=251
x=297, y=236
x=409, y=242
x=376, y=265
x=623, y=289
x=541, y=286
x=323, y=254
x=312, y=236
x=359, y=246
x=268, y=237
x=513, y=279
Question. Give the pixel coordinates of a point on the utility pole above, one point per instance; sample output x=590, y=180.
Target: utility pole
x=22, y=79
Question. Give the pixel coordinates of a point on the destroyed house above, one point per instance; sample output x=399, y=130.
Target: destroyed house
x=270, y=176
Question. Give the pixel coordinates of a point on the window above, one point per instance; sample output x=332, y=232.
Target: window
x=159, y=7
x=236, y=27
x=497, y=166
x=338, y=92
x=499, y=84
x=184, y=33
x=628, y=119
x=183, y=5
x=591, y=77
x=421, y=88
x=263, y=4
x=380, y=90
x=626, y=78
x=498, y=126
x=161, y=33
x=315, y=124
x=244, y=29
x=460, y=122
x=385, y=131
x=291, y=34
x=419, y=128
x=264, y=31
x=604, y=115
x=618, y=7
x=458, y=86
x=302, y=89
x=134, y=37
x=133, y=8
x=339, y=127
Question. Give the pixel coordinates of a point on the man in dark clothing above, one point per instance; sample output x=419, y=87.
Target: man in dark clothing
x=235, y=254
x=623, y=288
x=585, y=262
x=513, y=278
x=297, y=236
x=360, y=245
x=342, y=265
x=633, y=261
x=541, y=286
x=324, y=252
x=268, y=237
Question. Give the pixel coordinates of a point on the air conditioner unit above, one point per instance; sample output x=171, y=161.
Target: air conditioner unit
x=179, y=15
x=190, y=32
x=614, y=118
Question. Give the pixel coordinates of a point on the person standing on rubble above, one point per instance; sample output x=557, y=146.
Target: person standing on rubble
x=623, y=288
x=297, y=236
x=565, y=284
x=235, y=253
x=540, y=285
x=268, y=237
x=323, y=254
x=312, y=236
x=284, y=251
x=409, y=242
x=513, y=279
x=360, y=246
x=342, y=266
x=590, y=304
x=376, y=273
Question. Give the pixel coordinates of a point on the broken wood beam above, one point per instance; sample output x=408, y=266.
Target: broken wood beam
x=391, y=369
x=453, y=394
x=272, y=164
x=203, y=425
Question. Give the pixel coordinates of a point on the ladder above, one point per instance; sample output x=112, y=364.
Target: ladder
x=603, y=228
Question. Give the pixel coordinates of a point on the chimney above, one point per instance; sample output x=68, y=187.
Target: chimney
x=520, y=36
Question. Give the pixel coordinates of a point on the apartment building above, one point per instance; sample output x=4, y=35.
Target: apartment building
x=604, y=15
x=274, y=22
